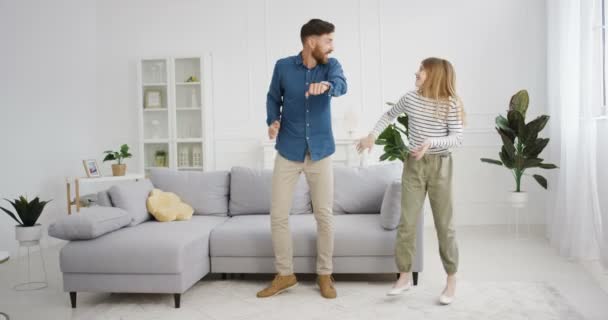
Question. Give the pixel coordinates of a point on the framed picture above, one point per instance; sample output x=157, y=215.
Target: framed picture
x=153, y=99
x=91, y=167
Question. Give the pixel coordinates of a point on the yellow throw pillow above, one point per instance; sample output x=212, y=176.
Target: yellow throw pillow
x=167, y=206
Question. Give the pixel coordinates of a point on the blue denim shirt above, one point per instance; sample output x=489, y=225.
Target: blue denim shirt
x=305, y=122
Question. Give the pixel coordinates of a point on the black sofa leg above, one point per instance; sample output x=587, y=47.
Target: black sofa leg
x=414, y=278
x=73, y=299
x=177, y=297
x=224, y=276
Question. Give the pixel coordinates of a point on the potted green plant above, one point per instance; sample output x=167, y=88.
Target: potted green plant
x=521, y=145
x=394, y=146
x=160, y=158
x=27, y=231
x=119, y=168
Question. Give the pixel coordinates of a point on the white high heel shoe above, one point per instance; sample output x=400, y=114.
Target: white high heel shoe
x=400, y=290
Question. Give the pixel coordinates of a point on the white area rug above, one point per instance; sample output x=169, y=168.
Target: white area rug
x=235, y=299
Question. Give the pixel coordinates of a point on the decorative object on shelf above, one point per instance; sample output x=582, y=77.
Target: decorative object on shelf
x=156, y=69
x=28, y=234
x=160, y=158
x=91, y=168
x=394, y=146
x=521, y=147
x=118, y=169
x=197, y=156
x=192, y=79
x=153, y=99
x=194, y=100
x=183, y=157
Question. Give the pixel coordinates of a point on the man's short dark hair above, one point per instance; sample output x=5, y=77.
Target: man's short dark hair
x=316, y=27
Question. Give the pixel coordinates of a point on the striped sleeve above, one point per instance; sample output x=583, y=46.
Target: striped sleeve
x=455, y=128
x=390, y=116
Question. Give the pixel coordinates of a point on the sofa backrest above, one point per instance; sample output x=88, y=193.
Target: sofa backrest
x=250, y=192
x=244, y=191
x=361, y=189
x=206, y=192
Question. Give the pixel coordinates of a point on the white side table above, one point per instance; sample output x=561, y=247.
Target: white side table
x=89, y=181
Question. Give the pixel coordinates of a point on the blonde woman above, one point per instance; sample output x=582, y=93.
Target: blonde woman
x=436, y=118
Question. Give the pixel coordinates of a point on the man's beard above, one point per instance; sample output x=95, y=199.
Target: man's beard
x=320, y=56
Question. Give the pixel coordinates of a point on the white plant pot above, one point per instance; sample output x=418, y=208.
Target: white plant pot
x=28, y=236
x=518, y=199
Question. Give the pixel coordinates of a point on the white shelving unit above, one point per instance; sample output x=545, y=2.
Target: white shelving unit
x=174, y=112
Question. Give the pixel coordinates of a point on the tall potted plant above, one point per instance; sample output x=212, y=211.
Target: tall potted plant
x=119, y=168
x=27, y=231
x=521, y=145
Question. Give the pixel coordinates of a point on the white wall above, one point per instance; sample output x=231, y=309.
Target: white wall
x=87, y=51
x=47, y=101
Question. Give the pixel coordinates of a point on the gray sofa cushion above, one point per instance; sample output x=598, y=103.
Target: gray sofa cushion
x=360, y=190
x=103, y=199
x=206, y=192
x=355, y=235
x=132, y=197
x=390, y=212
x=151, y=247
x=89, y=223
x=250, y=192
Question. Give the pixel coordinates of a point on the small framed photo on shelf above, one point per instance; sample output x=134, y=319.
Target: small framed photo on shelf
x=91, y=167
x=153, y=99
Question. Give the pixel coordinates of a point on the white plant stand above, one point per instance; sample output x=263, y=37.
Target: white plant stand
x=31, y=283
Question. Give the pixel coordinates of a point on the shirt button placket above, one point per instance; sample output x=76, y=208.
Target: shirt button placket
x=306, y=116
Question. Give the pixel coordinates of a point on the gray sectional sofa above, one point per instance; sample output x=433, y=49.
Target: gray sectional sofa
x=230, y=232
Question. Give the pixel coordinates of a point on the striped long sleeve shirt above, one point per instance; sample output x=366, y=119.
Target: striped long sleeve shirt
x=426, y=123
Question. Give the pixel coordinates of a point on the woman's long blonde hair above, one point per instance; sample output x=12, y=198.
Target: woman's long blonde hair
x=440, y=85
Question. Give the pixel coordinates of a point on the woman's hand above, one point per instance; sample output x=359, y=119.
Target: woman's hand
x=419, y=152
x=366, y=143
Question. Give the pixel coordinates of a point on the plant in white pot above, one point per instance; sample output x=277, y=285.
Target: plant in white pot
x=521, y=145
x=27, y=231
x=119, y=168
